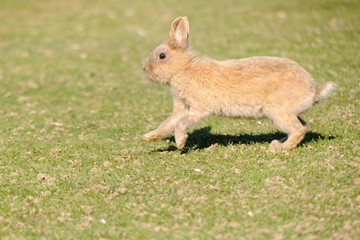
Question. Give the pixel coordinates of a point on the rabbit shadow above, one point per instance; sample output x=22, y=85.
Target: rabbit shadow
x=202, y=138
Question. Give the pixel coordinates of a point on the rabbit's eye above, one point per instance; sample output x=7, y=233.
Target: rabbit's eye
x=162, y=55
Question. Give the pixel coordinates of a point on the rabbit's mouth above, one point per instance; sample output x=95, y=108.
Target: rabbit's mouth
x=149, y=75
x=146, y=72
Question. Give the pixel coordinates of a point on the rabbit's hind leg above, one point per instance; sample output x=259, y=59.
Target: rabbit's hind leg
x=293, y=126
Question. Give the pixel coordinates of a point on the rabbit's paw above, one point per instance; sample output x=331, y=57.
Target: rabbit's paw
x=180, y=142
x=151, y=136
x=275, y=146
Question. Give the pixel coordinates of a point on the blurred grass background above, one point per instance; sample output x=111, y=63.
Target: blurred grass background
x=74, y=104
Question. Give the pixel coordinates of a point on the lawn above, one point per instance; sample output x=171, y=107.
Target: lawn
x=74, y=104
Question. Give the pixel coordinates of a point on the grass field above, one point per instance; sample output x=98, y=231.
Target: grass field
x=74, y=104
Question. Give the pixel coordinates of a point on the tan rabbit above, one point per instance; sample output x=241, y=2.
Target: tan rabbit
x=256, y=87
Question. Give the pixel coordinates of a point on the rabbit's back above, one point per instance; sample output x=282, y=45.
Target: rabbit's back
x=251, y=87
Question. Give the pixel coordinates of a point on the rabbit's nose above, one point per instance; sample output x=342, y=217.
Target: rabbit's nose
x=145, y=66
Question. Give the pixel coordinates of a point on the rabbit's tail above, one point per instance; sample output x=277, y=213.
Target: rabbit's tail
x=324, y=91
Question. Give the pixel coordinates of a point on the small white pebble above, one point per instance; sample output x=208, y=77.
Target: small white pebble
x=197, y=170
x=251, y=214
x=103, y=221
x=57, y=124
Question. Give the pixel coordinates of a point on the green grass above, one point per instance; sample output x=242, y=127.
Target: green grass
x=74, y=104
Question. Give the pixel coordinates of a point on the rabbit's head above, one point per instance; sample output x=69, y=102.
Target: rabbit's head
x=169, y=58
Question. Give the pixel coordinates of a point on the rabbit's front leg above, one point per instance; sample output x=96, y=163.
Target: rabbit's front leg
x=186, y=122
x=167, y=127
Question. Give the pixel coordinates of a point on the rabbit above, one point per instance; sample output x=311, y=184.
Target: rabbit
x=255, y=87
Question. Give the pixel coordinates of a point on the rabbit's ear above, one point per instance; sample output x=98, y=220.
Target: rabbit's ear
x=179, y=32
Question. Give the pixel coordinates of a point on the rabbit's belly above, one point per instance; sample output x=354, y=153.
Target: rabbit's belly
x=241, y=111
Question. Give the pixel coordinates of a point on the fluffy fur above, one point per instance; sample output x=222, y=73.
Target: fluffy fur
x=256, y=87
